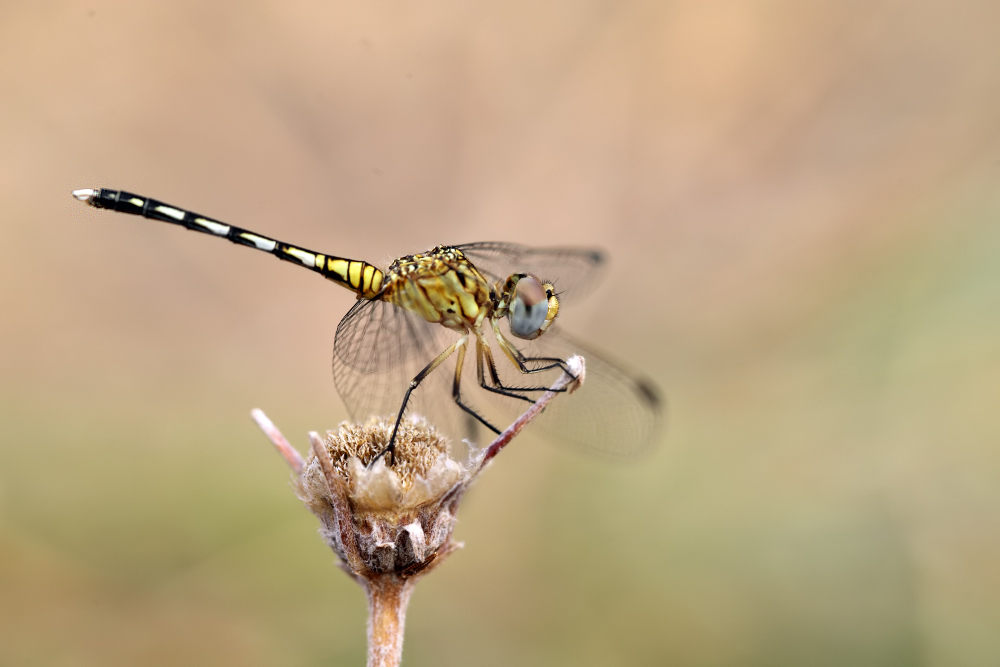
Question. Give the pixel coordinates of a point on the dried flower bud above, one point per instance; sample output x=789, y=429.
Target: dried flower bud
x=390, y=525
x=401, y=517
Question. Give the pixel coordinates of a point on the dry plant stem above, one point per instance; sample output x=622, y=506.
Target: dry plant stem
x=388, y=597
x=576, y=365
x=289, y=453
x=340, y=502
x=388, y=594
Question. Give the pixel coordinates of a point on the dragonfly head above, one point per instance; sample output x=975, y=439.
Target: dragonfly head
x=532, y=305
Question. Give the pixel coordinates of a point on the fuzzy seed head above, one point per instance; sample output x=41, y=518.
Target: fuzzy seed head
x=418, y=447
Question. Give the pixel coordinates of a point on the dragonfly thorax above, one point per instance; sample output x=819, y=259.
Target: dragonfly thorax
x=442, y=286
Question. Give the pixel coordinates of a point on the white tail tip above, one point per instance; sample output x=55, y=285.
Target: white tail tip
x=86, y=194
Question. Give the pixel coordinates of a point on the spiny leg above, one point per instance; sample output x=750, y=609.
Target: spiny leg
x=521, y=360
x=498, y=387
x=414, y=383
x=486, y=356
x=456, y=392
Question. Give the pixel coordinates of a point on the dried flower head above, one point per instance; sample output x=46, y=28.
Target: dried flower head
x=390, y=525
x=401, y=516
x=421, y=458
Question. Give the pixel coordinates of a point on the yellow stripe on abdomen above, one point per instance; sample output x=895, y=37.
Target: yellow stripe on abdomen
x=337, y=267
x=360, y=276
x=355, y=274
x=369, y=273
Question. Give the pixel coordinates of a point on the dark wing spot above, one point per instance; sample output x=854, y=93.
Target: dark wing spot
x=648, y=392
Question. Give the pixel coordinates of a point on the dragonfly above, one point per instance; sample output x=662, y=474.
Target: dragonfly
x=497, y=300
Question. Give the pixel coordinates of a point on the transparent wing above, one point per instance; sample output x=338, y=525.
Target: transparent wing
x=616, y=413
x=378, y=350
x=573, y=271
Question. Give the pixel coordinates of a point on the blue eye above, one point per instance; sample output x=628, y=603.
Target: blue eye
x=528, y=308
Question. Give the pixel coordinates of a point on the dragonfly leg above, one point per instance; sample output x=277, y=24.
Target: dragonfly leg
x=552, y=362
x=456, y=388
x=519, y=360
x=414, y=383
x=497, y=386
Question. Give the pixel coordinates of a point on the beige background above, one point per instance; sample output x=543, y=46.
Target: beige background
x=801, y=203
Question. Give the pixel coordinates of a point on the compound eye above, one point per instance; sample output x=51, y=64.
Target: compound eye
x=528, y=308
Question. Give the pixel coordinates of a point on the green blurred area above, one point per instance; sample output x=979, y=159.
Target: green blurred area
x=800, y=201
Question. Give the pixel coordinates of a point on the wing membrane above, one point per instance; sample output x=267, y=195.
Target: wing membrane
x=378, y=350
x=573, y=271
x=616, y=413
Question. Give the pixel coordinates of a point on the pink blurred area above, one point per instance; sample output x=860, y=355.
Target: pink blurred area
x=800, y=205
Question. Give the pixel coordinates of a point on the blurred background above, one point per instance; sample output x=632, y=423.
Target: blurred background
x=802, y=206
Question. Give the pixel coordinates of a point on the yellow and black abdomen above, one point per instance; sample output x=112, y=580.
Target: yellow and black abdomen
x=360, y=277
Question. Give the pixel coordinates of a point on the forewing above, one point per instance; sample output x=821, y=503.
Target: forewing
x=573, y=271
